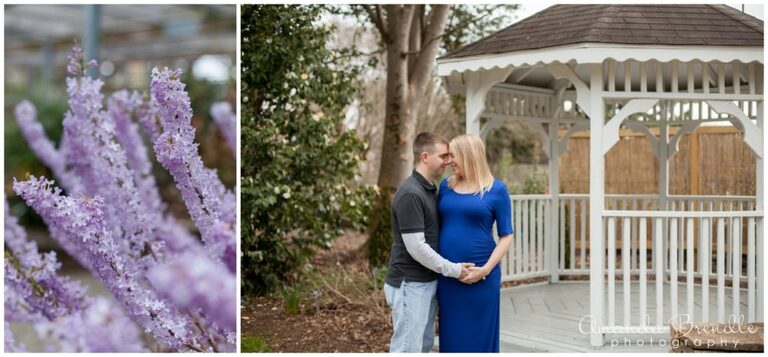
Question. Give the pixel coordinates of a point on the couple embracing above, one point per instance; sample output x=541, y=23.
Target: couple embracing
x=443, y=252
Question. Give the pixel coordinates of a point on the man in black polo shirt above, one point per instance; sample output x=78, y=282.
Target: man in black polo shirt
x=414, y=264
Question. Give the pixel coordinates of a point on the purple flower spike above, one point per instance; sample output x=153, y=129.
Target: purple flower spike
x=203, y=192
x=78, y=140
x=26, y=118
x=77, y=65
x=32, y=276
x=103, y=164
x=120, y=108
x=149, y=117
x=103, y=327
x=207, y=286
x=226, y=120
x=83, y=224
x=176, y=237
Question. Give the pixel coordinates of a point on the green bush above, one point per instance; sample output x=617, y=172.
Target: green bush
x=378, y=276
x=380, y=230
x=300, y=182
x=292, y=299
x=536, y=182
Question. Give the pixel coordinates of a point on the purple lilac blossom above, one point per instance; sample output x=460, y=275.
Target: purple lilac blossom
x=223, y=338
x=149, y=117
x=177, y=238
x=33, y=276
x=83, y=224
x=85, y=103
x=206, y=283
x=176, y=150
x=226, y=120
x=103, y=327
x=16, y=309
x=26, y=118
x=226, y=337
x=228, y=208
x=121, y=106
x=104, y=168
x=76, y=65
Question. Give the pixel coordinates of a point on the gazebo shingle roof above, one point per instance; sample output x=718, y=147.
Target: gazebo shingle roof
x=713, y=25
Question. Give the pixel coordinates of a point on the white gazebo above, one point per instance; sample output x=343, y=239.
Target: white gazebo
x=570, y=68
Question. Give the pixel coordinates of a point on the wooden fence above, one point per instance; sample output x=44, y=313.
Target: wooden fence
x=713, y=160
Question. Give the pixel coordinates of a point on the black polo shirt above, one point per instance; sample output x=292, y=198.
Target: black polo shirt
x=414, y=209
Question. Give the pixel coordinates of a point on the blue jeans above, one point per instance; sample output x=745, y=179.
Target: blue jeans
x=414, y=305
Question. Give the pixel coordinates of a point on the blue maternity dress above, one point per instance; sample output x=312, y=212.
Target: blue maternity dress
x=469, y=314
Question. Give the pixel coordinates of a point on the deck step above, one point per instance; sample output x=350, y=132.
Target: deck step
x=717, y=337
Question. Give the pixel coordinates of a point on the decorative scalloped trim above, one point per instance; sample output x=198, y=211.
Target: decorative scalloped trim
x=619, y=54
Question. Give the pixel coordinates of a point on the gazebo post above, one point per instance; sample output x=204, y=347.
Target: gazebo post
x=554, y=193
x=475, y=103
x=663, y=149
x=596, y=203
x=760, y=203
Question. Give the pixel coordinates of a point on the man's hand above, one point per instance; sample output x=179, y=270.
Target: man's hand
x=465, y=270
x=475, y=274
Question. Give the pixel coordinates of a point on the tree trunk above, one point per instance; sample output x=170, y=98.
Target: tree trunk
x=398, y=131
x=410, y=62
x=395, y=157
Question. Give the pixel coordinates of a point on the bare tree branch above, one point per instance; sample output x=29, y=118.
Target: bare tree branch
x=419, y=51
x=424, y=62
x=375, y=15
x=354, y=54
x=399, y=20
x=415, y=36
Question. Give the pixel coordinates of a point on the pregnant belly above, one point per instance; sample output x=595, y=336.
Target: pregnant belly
x=466, y=247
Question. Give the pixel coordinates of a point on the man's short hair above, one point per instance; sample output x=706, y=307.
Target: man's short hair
x=425, y=142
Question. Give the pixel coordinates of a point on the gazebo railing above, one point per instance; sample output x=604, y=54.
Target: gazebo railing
x=552, y=234
x=627, y=297
x=573, y=224
x=527, y=254
x=517, y=101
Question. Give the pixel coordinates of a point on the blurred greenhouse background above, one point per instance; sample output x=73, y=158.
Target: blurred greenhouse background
x=127, y=41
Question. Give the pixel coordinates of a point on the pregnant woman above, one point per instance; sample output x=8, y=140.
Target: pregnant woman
x=469, y=202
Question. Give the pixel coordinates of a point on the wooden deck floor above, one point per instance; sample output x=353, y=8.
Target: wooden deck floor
x=545, y=318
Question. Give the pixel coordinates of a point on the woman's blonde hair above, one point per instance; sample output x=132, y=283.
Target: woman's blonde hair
x=470, y=152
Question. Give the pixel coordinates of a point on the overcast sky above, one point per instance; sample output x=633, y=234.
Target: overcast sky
x=528, y=9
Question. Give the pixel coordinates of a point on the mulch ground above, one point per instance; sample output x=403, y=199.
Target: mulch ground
x=350, y=314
